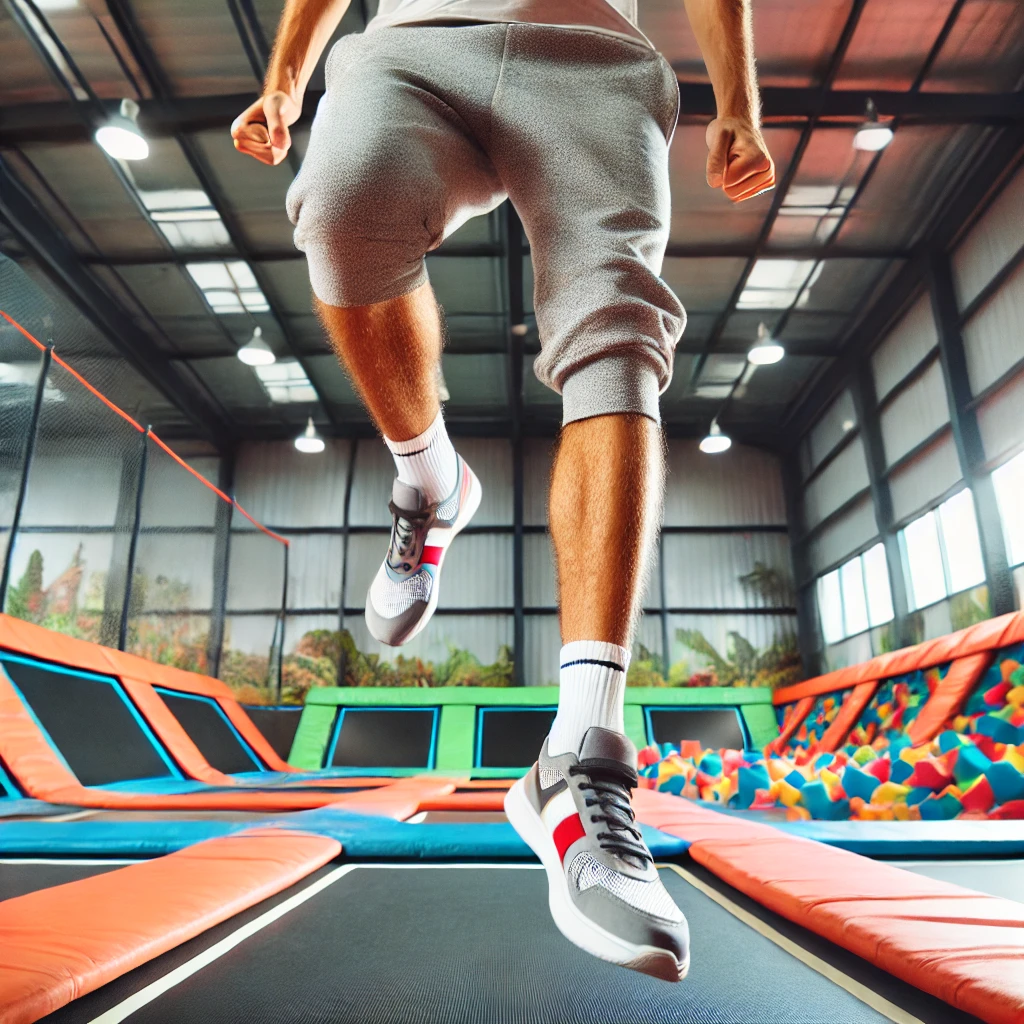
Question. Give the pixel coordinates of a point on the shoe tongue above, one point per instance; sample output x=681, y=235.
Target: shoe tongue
x=608, y=745
x=406, y=497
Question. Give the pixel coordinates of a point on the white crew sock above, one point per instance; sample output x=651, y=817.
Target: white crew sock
x=427, y=462
x=591, y=691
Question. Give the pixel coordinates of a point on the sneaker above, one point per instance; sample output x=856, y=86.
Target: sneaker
x=404, y=592
x=603, y=888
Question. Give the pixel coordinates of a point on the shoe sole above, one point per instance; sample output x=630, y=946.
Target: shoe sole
x=466, y=513
x=573, y=924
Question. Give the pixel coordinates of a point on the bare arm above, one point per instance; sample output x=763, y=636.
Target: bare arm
x=738, y=159
x=306, y=28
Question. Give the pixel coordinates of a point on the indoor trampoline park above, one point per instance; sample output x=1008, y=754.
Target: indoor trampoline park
x=512, y=511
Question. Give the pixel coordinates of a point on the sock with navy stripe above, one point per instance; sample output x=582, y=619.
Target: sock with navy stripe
x=591, y=691
x=427, y=461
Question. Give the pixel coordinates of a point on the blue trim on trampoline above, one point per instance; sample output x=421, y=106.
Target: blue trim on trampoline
x=914, y=838
x=250, y=753
x=340, y=717
x=478, y=745
x=92, y=677
x=9, y=790
x=744, y=731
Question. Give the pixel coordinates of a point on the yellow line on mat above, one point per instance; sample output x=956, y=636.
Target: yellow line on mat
x=870, y=998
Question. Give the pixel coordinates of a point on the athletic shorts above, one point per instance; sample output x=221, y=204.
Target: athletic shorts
x=422, y=128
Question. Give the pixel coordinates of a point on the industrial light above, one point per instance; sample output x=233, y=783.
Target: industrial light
x=309, y=442
x=520, y=330
x=120, y=136
x=767, y=350
x=716, y=442
x=256, y=352
x=872, y=136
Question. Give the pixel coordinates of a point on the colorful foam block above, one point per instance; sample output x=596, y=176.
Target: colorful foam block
x=750, y=781
x=901, y=771
x=930, y=773
x=1006, y=781
x=979, y=796
x=859, y=783
x=996, y=729
x=940, y=808
x=970, y=763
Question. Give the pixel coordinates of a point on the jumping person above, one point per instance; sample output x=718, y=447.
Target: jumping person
x=437, y=113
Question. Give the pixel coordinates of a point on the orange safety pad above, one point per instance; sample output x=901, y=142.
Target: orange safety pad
x=949, y=696
x=172, y=735
x=63, y=942
x=847, y=717
x=961, y=946
x=481, y=800
x=800, y=712
x=989, y=635
x=402, y=799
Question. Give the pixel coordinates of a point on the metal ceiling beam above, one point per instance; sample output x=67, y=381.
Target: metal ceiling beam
x=1003, y=156
x=141, y=52
x=180, y=257
x=25, y=123
x=52, y=251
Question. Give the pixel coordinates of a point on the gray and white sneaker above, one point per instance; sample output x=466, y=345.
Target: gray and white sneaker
x=603, y=888
x=404, y=592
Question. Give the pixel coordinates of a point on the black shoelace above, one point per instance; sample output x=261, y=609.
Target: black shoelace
x=610, y=787
x=407, y=526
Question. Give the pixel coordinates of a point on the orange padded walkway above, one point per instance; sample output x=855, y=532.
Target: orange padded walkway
x=964, y=947
x=62, y=942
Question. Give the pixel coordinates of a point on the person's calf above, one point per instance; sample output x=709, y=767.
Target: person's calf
x=605, y=509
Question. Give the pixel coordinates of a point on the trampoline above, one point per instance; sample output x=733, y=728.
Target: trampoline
x=394, y=944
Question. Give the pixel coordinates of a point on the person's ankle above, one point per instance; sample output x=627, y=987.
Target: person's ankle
x=427, y=462
x=592, y=691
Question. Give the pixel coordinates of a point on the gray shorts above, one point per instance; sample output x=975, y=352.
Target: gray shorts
x=422, y=128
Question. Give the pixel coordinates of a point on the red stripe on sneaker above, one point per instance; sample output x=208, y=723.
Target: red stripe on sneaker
x=431, y=555
x=567, y=831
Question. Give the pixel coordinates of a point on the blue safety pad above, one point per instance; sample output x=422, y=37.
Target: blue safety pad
x=361, y=835
x=23, y=808
x=108, y=838
x=171, y=787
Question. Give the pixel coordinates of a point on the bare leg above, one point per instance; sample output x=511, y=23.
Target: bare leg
x=605, y=510
x=391, y=351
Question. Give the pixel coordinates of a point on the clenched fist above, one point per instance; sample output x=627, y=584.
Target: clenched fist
x=261, y=130
x=738, y=159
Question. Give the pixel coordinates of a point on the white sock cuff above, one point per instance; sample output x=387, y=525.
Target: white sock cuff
x=421, y=441
x=595, y=652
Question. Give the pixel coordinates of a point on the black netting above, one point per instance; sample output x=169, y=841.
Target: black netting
x=253, y=627
x=69, y=561
x=174, y=584
x=101, y=496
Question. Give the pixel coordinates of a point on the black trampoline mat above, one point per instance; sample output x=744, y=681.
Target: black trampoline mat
x=90, y=724
x=210, y=731
x=445, y=945
x=714, y=727
x=21, y=879
x=379, y=738
x=511, y=738
x=278, y=726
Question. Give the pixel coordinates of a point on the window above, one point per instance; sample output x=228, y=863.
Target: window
x=942, y=551
x=1009, y=484
x=285, y=381
x=229, y=287
x=855, y=597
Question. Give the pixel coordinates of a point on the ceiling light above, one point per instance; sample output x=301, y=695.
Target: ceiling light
x=848, y=425
x=716, y=441
x=309, y=442
x=767, y=350
x=872, y=136
x=256, y=352
x=120, y=136
x=519, y=330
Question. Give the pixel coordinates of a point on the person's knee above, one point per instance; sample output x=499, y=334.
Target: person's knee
x=357, y=230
